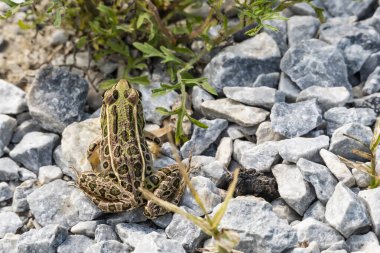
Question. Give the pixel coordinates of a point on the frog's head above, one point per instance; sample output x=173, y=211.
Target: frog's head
x=122, y=91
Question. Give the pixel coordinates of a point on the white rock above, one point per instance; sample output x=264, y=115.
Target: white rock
x=297, y=193
x=49, y=173
x=339, y=169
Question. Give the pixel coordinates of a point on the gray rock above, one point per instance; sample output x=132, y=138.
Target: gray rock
x=208, y=193
x=241, y=64
x=19, y=202
x=135, y=215
x=236, y=132
x=109, y=246
x=202, y=138
x=315, y=211
x=150, y=102
x=339, y=116
x=374, y=21
x=208, y=167
x=234, y=112
x=293, y=149
x=105, y=232
x=59, y=203
x=267, y=80
x=157, y=243
x=327, y=97
x=61, y=163
x=312, y=230
x=361, y=242
x=224, y=151
x=6, y=192
x=320, y=177
x=342, y=8
x=341, y=245
x=372, y=84
x=9, y=223
x=44, y=240
x=288, y=87
x=260, y=157
x=343, y=145
x=26, y=174
x=58, y=37
x=371, y=199
x=297, y=193
x=346, y=212
x=302, y=9
x=46, y=174
x=163, y=161
x=312, y=247
x=313, y=62
x=264, y=97
x=362, y=179
x=8, y=169
x=86, y=228
x=293, y=120
x=284, y=211
x=185, y=232
x=163, y=221
x=75, y=141
x=371, y=101
x=301, y=28
x=338, y=168
x=265, y=133
x=198, y=96
x=131, y=233
x=356, y=42
x=24, y=128
x=263, y=232
x=57, y=98
x=369, y=66
x=12, y=98
x=7, y=124
x=35, y=150
x=75, y=244
x=9, y=243
x=280, y=36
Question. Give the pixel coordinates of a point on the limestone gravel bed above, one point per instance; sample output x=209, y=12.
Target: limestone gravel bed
x=286, y=102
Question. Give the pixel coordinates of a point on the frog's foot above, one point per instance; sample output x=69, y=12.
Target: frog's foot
x=170, y=188
x=107, y=195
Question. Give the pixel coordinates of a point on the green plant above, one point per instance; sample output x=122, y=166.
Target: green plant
x=370, y=168
x=136, y=33
x=224, y=240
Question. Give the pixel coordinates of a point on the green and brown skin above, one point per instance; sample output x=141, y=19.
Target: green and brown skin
x=121, y=161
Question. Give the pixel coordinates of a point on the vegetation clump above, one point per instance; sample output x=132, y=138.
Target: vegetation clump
x=136, y=34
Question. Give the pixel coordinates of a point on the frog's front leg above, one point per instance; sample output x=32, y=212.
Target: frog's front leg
x=166, y=184
x=93, y=155
x=105, y=193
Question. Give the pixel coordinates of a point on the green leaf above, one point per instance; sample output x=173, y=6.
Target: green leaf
x=196, y=122
x=165, y=111
x=107, y=84
x=169, y=56
x=118, y=47
x=141, y=80
x=81, y=42
x=148, y=50
x=23, y=25
x=58, y=17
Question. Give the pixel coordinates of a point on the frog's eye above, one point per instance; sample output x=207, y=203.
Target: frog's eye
x=115, y=94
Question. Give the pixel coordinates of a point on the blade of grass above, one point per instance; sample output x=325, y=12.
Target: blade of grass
x=219, y=214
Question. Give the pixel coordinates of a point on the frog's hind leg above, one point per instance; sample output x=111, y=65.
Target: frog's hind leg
x=107, y=195
x=170, y=187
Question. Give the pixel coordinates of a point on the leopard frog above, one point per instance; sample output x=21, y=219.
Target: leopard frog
x=121, y=161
